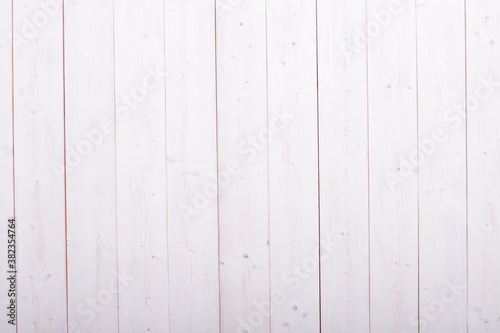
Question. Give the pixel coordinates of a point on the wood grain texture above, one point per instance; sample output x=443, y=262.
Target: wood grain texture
x=90, y=166
x=251, y=166
x=192, y=166
x=343, y=149
x=243, y=167
x=141, y=165
x=483, y=135
x=392, y=105
x=442, y=173
x=39, y=141
x=293, y=166
x=6, y=148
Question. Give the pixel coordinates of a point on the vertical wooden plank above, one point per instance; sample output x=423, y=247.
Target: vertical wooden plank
x=39, y=195
x=483, y=135
x=6, y=152
x=141, y=164
x=392, y=104
x=242, y=166
x=442, y=173
x=192, y=166
x=90, y=166
x=343, y=149
x=293, y=166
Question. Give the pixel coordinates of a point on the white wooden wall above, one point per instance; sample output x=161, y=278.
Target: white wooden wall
x=267, y=166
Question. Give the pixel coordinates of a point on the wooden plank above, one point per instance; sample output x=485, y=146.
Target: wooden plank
x=293, y=166
x=243, y=197
x=6, y=154
x=191, y=164
x=39, y=195
x=442, y=173
x=90, y=159
x=392, y=105
x=343, y=149
x=483, y=134
x=141, y=164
